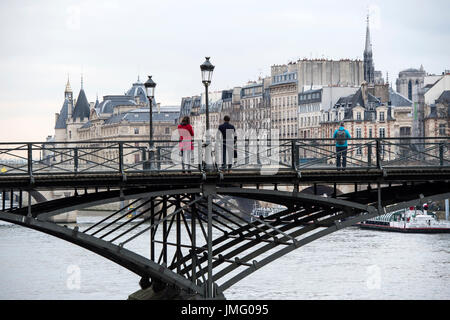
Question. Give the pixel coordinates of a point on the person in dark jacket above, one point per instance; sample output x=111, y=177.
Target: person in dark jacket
x=228, y=142
x=341, y=135
x=186, y=146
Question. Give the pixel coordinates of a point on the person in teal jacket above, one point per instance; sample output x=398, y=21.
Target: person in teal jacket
x=341, y=135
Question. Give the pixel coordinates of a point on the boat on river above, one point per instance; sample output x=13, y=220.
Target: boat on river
x=263, y=213
x=409, y=220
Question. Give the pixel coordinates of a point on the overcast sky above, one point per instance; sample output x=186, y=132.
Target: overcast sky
x=112, y=42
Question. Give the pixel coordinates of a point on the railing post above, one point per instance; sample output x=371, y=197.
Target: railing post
x=20, y=198
x=158, y=157
x=378, y=150
x=193, y=241
x=294, y=154
x=121, y=157
x=369, y=154
x=209, y=244
x=30, y=159
x=246, y=151
x=11, y=200
x=199, y=155
x=75, y=159
x=441, y=154
x=152, y=230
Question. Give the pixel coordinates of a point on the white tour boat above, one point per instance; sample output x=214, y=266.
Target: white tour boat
x=264, y=212
x=410, y=220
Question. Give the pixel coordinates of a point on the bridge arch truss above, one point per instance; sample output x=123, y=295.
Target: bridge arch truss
x=202, y=243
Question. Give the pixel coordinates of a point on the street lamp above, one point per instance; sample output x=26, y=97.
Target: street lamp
x=207, y=70
x=150, y=92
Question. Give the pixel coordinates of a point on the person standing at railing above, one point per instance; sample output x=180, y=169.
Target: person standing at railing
x=228, y=142
x=341, y=135
x=186, y=146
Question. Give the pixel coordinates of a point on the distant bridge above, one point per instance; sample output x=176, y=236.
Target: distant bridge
x=201, y=242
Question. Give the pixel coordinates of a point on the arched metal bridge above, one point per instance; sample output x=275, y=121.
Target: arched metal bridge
x=201, y=241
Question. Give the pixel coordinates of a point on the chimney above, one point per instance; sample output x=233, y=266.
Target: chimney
x=365, y=94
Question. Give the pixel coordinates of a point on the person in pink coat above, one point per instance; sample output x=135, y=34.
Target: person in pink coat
x=186, y=145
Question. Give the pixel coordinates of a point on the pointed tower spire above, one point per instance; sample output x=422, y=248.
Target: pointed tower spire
x=369, y=69
x=68, y=94
x=68, y=88
x=368, y=47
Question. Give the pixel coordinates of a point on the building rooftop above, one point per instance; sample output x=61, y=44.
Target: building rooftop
x=61, y=122
x=398, y=100
x=82, y=108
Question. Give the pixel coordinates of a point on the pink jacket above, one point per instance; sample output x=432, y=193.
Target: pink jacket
x=186, y=135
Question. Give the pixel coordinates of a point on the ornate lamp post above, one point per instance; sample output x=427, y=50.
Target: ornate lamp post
x=207, y=70
x=150, y=92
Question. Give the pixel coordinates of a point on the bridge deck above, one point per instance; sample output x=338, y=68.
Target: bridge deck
x=351, y=176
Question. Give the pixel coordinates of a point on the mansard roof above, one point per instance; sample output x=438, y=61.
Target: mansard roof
x=61, y=122
x=444, y=97
x=111, y=101
x=82, y=108
x=398, y=100
x=138, y=90
x=142, y=115
x=86, y=125
x=214, y=106
x=356, y=99
x=187, y=103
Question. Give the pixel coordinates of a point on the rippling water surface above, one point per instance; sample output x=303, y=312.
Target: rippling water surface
x=349, y=264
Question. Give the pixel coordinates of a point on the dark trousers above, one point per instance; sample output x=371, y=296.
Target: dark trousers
x=227, y=156
x=341, y=152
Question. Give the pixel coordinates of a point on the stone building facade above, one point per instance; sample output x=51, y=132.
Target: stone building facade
x=254, y=115
x=322, y=72
x=437, y=116
x=283, y=102
x=117, y=118
x=311, y=105
x=367, y=116
x=409, y=82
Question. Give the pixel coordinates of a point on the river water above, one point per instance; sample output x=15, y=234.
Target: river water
x=351, y=264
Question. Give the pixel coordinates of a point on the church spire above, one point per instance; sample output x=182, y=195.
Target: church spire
x=368, y=47
x=68, y=94
x=68, y=88
x=369, y=70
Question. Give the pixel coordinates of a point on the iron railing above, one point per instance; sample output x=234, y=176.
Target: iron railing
x=37, y=158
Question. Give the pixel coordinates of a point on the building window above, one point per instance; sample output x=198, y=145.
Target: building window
x=358, y=116
x=405, y=131
x=370, y=132
x=136, y=130
x=382, y=133
x=381, y=115
x=167, y=130
x=359, y=151
x=410, y=90
x=358, y=133
x=442, y=129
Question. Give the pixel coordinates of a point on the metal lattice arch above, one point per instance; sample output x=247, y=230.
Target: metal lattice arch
x=239, y=247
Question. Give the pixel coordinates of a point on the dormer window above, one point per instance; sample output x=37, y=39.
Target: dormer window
x=358, y=116
x=381, y=115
